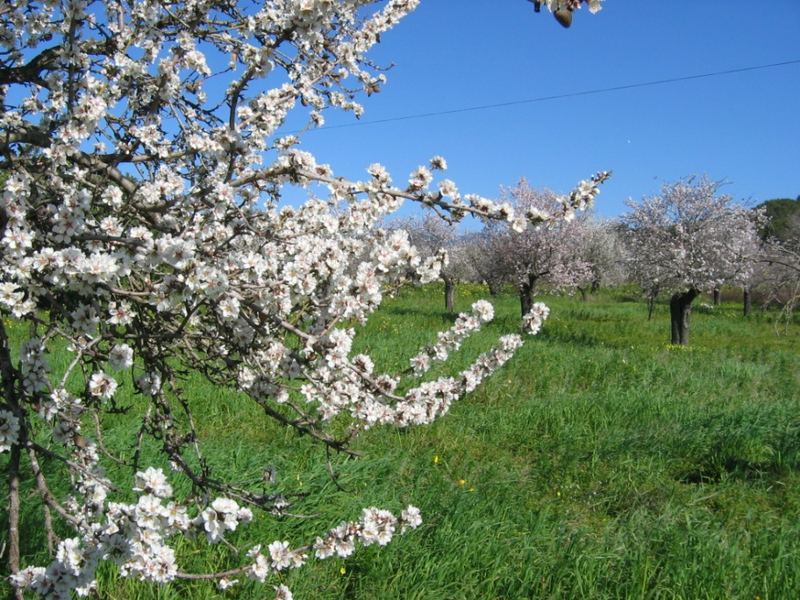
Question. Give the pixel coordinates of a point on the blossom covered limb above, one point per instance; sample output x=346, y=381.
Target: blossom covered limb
x=688, y=239
x=144, y=227
x=549, y=252
x=136, y=537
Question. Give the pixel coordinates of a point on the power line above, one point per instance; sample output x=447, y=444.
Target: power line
x=589, y=92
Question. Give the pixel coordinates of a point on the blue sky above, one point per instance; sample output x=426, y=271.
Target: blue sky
x=743, y=128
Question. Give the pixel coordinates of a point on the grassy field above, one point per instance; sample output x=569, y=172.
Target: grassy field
x=599, y=463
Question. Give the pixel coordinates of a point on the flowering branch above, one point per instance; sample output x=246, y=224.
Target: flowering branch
x=143, y=226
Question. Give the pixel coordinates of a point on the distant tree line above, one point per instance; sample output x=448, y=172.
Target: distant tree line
x=687, y=240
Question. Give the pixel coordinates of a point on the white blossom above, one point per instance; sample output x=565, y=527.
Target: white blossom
x=222, y=515
x=153, y=481
x=283, y=593
x=120, y=356
x=411, y=517
x=102, y=385
x=532, y=321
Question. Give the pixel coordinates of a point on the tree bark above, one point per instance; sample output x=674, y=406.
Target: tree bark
x=13, y=516
x=525, y=301
x=449, y=294
x=717, y=296
x=746, y=301
x=8, y=378
x=493, y=288
x=526, y=291
x=582, y=290
x=651, y=305
x=680, y=306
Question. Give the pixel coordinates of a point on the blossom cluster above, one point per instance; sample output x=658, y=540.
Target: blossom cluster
x=552, y=251
x=370, y=398
x=136, y=536
x=450, y=340
x=376, y=526
x=691, y=237
x=532, y=321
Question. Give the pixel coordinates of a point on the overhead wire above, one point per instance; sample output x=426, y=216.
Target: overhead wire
x=589, y=92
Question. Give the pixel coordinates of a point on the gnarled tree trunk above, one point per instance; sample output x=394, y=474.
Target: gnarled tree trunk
x=680, y=306
x=7, y=381
x=652, y=296
x=449, y=294
x=526, y=291
x=717, y=295
x=746, y=301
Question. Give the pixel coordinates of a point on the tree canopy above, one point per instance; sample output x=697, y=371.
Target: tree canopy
x=780, y=213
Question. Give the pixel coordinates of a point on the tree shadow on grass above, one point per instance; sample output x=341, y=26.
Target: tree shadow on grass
x=420, y=312
x=734, y=468
x=761, y=456
x=575, y=338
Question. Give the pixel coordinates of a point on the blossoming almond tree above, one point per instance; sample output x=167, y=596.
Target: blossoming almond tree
x=142, y=225
x=600, y=246
x=779, y=273
x=548, y=252
x=477, y=251
x=687, y=240
x=430, y=234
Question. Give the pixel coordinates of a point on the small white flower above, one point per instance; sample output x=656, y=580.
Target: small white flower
x=120, y=357
x=260, y=569
x=448, y=188
x=377, y=526
x=226, y=583
x=229, y=308
x=532, y=322
x=283, y=593
x=70, y=556
x=223, y=515
x=379, y=172
x=102, y=385
x=280, y=554
x=519, y=224
x=438, y=163
x=153, y=481
x=411, y=517
x=484, y=310
x=149, y=384
x=30, y=577
x=420, y=178
x=119, y=314
x=420, y=363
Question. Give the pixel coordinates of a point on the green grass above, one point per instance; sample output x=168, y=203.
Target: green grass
x=599, y=463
